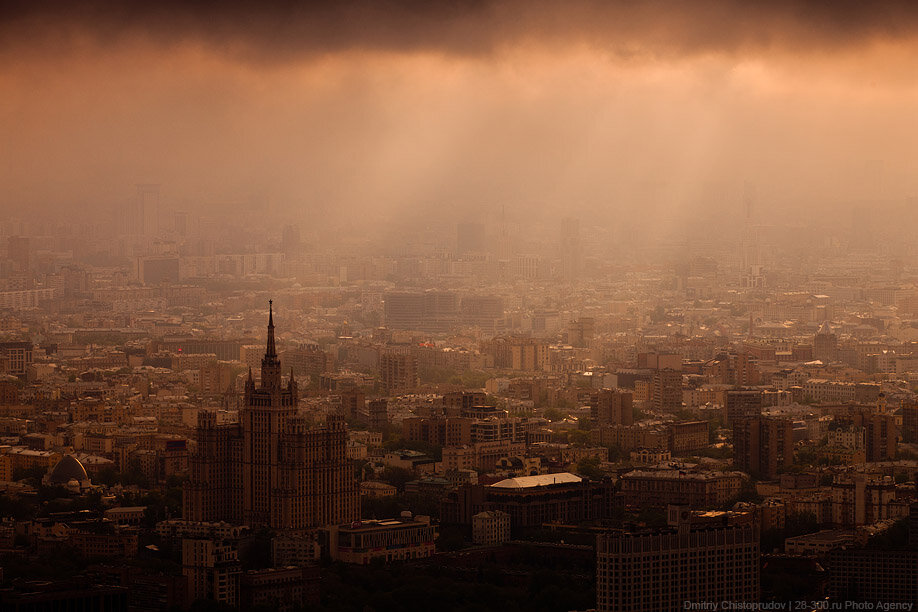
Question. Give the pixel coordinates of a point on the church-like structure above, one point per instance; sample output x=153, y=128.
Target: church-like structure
x=273, y=468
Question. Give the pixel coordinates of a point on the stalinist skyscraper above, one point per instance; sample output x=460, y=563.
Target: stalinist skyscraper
x=273, y=468
x=264, y=418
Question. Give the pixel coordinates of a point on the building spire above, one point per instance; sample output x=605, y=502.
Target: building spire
x=271, y=350
x=270, y=365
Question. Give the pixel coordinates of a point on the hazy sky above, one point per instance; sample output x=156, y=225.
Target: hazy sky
x=367, y=110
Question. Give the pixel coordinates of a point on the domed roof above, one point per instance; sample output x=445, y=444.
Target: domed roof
x=67, y=469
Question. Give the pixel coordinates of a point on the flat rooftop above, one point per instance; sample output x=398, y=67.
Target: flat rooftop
x=543, y=480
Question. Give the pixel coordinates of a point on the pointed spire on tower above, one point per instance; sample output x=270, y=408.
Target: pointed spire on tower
x=270, y=364
x=271, y=350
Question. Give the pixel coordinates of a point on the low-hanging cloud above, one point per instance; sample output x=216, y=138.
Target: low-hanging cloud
x=378, y=112
x=277, y=30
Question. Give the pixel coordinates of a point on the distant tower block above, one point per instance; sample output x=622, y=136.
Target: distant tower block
x=504, y=247
x=753, y=274
x=145, y=218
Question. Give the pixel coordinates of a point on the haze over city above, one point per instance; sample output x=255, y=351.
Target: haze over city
x=361, y=113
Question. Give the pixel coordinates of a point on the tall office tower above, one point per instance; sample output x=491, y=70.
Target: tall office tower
x=763, y=445
x=665, y=569
x=611, y=407
x=741, y=404
x=825, y=344
x=274, y=468
x=17, y=250
x=667, y=390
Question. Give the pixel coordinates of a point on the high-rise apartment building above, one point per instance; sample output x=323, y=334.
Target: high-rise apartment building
x=398, y=370
x=881, y=435
x=377, y=414
x=733, y=369
x=825, y=344
x=742, y=404
x=308, y=360
x=611, y=407
x=667, y=390
x=274, y=468
x=763, y=445
x=517, y=353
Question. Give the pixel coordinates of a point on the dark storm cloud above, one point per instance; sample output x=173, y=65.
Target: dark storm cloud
x=272, y=30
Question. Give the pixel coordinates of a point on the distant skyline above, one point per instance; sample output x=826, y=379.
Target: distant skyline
x=358, y=113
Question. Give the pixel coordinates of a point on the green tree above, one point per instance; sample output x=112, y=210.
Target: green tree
x=578, y=438
x=589, y=467
x=615, y=453
x=474, y=379
x=553, y=414
x=397, y=477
